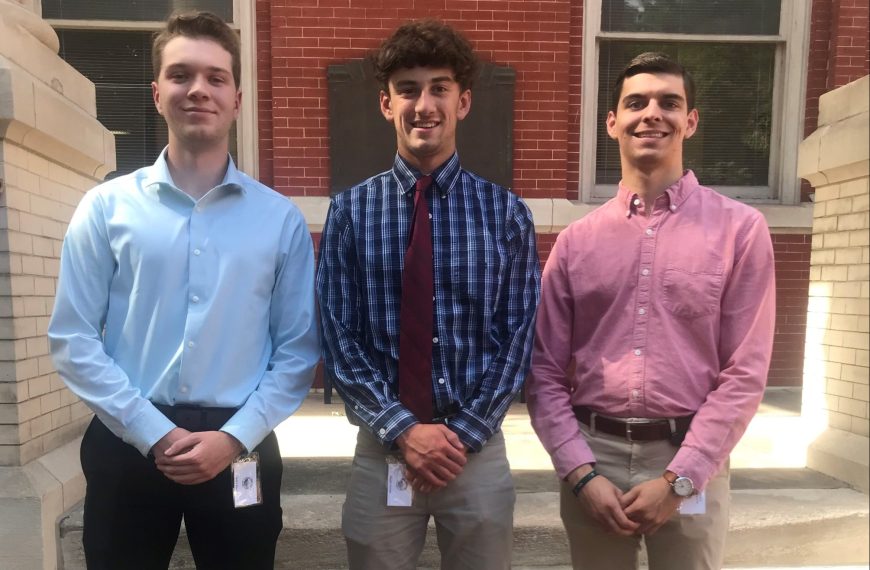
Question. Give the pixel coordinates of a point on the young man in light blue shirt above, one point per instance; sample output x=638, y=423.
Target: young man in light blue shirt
x=185, y=320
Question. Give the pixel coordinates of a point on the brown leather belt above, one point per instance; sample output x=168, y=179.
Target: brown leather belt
x=645, y=430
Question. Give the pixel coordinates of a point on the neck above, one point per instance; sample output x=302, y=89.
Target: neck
x=652, y=183
x=426, y=164
x=195, y=172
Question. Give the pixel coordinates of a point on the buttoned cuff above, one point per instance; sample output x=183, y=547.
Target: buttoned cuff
x=473, y=431
x=391, y=423
x=150, y=427
x=691, y=463
x=571, y=455
x=248, y=427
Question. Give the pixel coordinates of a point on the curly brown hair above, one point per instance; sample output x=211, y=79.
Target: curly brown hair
x=198, y=24
x=426, y=43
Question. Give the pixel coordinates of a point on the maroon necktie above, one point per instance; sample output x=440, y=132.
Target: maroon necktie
x=415, y=317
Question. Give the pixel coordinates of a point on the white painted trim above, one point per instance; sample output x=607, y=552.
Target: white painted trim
x=552, y=215
x=247, y=142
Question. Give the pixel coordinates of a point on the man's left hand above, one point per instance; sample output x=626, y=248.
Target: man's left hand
x=199, y=457
x=650, y=504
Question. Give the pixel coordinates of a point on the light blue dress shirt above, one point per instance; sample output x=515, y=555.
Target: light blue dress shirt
x=166, y=299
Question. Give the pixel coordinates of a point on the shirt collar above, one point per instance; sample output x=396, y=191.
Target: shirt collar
x=158, y=174
x=676, y=194
x=445, y=176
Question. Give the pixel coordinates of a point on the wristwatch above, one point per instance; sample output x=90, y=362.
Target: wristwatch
x=681, y=486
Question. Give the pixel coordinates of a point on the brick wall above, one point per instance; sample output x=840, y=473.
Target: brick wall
x=791, y=254
x=37, y=412
x=300, y=38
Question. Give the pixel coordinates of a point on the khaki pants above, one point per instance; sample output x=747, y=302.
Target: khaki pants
x=695, y=542
x=473, y=514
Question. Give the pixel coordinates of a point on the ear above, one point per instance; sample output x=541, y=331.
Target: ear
x=386, y=106
x=464, y=104
x=692, y=123
x=611, y=123
x=155, y=95
x=237, y=107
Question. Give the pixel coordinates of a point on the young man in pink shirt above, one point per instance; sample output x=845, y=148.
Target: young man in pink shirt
x=653, y=343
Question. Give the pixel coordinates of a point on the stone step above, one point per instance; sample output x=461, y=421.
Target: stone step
x=770, y=527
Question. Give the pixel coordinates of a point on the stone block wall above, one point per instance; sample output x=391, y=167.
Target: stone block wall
x=37, y=412
x=840, y=299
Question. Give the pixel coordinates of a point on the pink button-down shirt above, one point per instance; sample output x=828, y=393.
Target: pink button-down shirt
x=656, y=311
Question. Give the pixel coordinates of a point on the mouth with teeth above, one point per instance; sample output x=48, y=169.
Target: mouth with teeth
x=424, y=124
x=649, y=135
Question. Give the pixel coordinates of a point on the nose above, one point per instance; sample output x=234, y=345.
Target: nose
x=424, y=102
x=653, y=111
x=198, y=87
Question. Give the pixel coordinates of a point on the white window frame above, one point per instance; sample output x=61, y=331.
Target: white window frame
x=244, y=22
x=789, y=96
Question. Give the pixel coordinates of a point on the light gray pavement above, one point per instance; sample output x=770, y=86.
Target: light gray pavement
x=783, y=515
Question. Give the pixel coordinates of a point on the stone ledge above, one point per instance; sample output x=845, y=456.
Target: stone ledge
x=552, y=215
x=33, y=497
x=842, y=455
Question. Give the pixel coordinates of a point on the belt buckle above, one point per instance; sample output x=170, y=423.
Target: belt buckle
x=628, y=432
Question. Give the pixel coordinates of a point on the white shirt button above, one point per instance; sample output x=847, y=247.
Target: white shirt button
x=441, y=380
x=628, y=213
x=635, y=394
x=183, y=389
x=673, y=207
x=637, y=352
x=636, y=202
x=435, y=340
x=649, y=231
x=433, y=297
x=382, y=431
x=198, y=208
x=430, y=216
x=644, y=272
x=196, y=252
x=191, y=344
x=195, y=299
x=641, y=311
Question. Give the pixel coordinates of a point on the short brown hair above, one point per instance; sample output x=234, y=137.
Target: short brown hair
x=199, y=24
x=426, y=43
x=653, y=62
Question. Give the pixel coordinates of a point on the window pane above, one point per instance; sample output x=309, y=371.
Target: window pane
x=740, y=17
x=139, y=10
x=119, y=64
x=734, y=97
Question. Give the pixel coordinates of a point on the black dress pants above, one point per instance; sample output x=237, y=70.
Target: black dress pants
x=133, y=512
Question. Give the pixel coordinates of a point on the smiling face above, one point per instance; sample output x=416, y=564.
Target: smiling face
x=425, y=104
x=196, y=94
x=651, y=121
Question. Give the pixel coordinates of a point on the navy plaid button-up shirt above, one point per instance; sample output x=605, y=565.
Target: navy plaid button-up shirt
x=487, y=286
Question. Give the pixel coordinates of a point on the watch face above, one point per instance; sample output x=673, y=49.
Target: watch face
x=683, y=487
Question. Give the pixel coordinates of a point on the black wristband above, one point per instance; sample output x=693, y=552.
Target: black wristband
x=582, y=482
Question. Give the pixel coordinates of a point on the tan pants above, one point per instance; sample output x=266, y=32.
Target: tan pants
x=473, y=515
x=695, y=542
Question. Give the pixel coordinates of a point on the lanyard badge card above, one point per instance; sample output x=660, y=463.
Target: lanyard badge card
x=246, y=480
x=399, y=492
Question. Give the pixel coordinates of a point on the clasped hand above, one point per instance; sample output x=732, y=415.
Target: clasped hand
x=641, y=510
x=190, y=458
x=434, y=456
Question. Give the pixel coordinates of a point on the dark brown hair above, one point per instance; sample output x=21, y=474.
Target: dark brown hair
x=200, y=24
x=653, y=62
x=425, y=43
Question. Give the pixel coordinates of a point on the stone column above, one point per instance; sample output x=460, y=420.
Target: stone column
x=52, y=150
x=835, y=159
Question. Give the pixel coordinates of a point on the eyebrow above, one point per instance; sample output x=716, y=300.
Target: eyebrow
x=185, y=67
x=667, y=96
x=411, y=82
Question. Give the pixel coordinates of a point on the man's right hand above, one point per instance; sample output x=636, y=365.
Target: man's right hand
x=601, y=498
x=433, y=452
x=175, y=434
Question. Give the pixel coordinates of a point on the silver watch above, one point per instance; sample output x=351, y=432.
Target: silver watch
x=682, y=487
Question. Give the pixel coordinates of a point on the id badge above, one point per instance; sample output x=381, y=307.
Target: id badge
x=246, y=481
x=694, y=505
x=399, y=492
